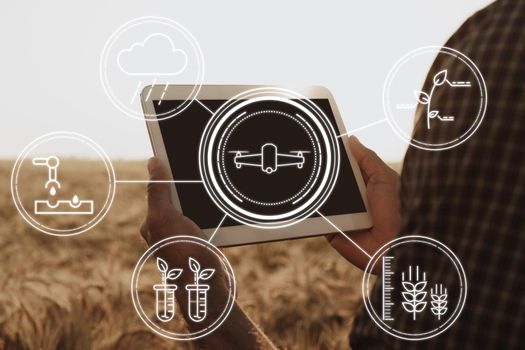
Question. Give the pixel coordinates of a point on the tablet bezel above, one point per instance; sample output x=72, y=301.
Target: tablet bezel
x=243, y=234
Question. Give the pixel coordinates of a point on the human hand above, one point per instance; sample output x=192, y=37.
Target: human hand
x=382, y=184
x=163, y=221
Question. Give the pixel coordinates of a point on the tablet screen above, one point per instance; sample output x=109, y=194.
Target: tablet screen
x=182, y=135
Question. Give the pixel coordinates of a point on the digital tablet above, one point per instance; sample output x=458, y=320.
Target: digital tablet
x=256, y=164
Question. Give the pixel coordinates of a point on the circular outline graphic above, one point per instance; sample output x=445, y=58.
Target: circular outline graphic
x=136, y=22
x=230, y=112
x=449, y=144
x=365, y=287
x=184, y=239
x=297, y=101
x=101, y=213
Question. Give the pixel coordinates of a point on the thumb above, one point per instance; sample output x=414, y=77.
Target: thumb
x=159, y=193
x=369, y=162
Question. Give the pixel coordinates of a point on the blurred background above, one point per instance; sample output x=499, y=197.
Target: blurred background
x=51, y=50
x=73, y=293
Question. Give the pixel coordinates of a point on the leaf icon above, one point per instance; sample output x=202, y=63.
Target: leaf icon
x=409, y=307
x=194, y=265
x=408, y=296
x=422, y=97
x=418, y=287
x=440, y=77
x=206, y=274
x=433, y=114
x=420, y=297
x=420, y=306
x=174, y=274
x=162, y=265
x=408, y=286
x=413, y=308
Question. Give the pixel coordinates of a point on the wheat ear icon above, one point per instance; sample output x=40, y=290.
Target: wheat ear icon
x=414, y=292
x=438, y=300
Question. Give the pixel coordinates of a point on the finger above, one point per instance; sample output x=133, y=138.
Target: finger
x=144, y=231
x=159, y=193
x=347, y=246
x=329, y=237
x=369, y=162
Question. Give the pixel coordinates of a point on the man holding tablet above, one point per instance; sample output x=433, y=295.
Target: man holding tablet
x=269, y=162
x=470, y=197
x=238, y=331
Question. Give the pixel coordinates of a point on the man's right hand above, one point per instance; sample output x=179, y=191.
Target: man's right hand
x=382, y=185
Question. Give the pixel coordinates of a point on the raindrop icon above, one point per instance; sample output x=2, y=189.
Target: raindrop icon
x=75, y=199
x=53, y=191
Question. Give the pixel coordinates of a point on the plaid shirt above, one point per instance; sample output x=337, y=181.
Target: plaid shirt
x=472, y=197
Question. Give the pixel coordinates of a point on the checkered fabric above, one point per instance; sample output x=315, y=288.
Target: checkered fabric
x=472, y=197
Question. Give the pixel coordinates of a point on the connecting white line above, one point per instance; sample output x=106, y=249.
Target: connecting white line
x=349, y=239
x=203, y=105
x=217, y=228
x=363, y=127
x=158, y=181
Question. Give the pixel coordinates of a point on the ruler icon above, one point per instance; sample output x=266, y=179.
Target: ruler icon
x=387, y=288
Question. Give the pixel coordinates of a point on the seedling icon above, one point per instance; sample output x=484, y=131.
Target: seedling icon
x=198, y=292
x=165, y=292
x=424, y=98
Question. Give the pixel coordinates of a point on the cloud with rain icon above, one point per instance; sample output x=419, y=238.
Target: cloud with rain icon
x=155, y=55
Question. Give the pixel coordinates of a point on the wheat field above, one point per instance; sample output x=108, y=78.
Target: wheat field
x=73, y=292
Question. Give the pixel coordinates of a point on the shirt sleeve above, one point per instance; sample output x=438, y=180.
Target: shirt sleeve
x=472, y=197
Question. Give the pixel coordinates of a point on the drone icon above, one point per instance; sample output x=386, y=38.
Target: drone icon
x=269, y=159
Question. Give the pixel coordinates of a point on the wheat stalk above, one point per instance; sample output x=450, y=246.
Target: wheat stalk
x=439, y=300
x=414, y=294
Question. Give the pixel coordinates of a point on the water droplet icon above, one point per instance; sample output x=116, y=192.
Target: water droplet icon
x=75, y=199
x=53, y=191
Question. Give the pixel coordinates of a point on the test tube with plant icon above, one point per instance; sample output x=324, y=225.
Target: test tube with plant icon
x=165, y=292
x=198, y=292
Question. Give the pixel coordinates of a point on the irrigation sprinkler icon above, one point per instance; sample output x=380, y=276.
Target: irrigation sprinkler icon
x=198, y=292
x=74, y=206
x=165, y=292
x=51, y=163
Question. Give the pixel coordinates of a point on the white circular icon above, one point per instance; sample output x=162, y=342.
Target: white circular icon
x=269, y=157
x=407, y=300
x=59, y=193
x=146, y=52
x=455, y=99
x=167, y=297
